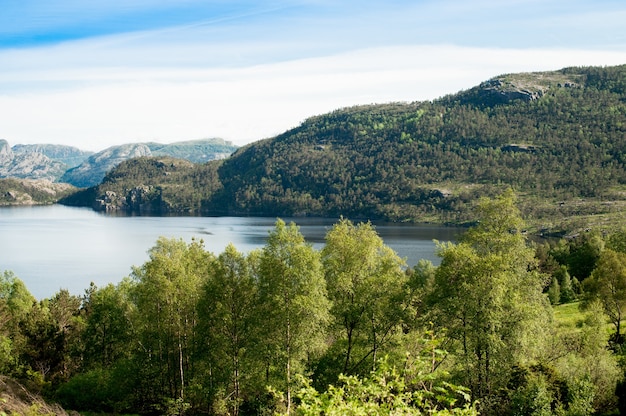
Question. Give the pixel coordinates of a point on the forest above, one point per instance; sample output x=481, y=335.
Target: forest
x=558, y=138
x=502, y=326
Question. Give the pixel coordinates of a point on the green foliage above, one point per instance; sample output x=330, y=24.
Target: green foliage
x=489, y=297
x=616, y=241
x=424, y=160
x=536, y=391
x=367, y=287
x=191, y=332
x=89, y=390
x=165, y=296
x=567, y=287
x=293, y=303
x=108, y=326
x=386, y=391
x=554, y=291
x=228, y=328
x=608, y=284
x=580, y=357
x=27, y=192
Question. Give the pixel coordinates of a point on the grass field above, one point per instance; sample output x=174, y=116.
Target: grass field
x=569, y=315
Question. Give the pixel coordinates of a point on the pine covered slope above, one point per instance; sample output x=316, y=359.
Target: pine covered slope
x=555, y=137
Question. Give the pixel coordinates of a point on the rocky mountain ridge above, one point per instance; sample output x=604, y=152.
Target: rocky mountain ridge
x=58, y=163
x=28, y=165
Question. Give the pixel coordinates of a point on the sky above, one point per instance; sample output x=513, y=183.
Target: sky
x=94, y=74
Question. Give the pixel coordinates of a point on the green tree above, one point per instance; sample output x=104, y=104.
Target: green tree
x=65, y=310
x=108, y=327
x=226, y=310
x=608, y=284
x=418, y=386
x=617, y=240
x=15, y=304
x=554, y=291
x=294, y=306
x=565, y=281
x=367, y=287
x=489, y=297
x=165, y=295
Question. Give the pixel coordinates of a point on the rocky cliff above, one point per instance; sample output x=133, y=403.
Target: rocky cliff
x=31, y=165
x=91, y=171
x=68, y=155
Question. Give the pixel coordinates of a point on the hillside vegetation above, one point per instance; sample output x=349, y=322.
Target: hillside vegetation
x=558, y=138
x=500, y=327
x=32, y=192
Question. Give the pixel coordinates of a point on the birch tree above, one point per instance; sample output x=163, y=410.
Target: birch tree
x=366, y=285
x=166, y=294
x=488, y=295
x=226, y=311
x=294, y=306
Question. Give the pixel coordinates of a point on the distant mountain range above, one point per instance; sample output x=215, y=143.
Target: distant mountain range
x=58, y=163
x=557, y=138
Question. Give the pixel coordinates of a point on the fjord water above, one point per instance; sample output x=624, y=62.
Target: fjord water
x=57, y=247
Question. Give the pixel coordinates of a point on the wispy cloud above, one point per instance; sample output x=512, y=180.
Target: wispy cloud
x=114, y=106
x=244, y=71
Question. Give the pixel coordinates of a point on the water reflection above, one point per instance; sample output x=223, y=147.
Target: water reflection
x=55, y=247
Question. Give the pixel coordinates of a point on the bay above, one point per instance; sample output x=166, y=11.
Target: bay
x=57, y=247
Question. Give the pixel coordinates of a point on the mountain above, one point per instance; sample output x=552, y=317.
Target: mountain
x=93, y=170
x=68, y=155
x=25, y=164
x=558, y=138
x=82, y=168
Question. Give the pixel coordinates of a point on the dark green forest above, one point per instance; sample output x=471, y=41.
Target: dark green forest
x=558, y=138
x=503, y=326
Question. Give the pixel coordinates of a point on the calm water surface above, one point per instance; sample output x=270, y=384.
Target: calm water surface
x=54, y=247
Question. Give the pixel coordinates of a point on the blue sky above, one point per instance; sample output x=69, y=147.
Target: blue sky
x=98, y=73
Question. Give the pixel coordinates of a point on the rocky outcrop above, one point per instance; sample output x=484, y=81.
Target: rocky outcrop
x=6, y=155
x=92, y=171
x=142, y=199
x=32, y=192
x=28, y=165
x=68, y=155
x=506, y=92
x=505, y=89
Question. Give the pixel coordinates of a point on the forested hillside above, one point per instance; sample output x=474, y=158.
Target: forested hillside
x=501, y=327
x=558, y=138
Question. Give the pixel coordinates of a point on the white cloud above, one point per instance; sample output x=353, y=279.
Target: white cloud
x=99, y=107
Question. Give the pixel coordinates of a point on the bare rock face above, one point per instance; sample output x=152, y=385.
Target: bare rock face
x=531, y=86
x=31, y=165
x=6, y=155
x=92, y=171
x=143, y=199
x=68, y=155
x=501, y=91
